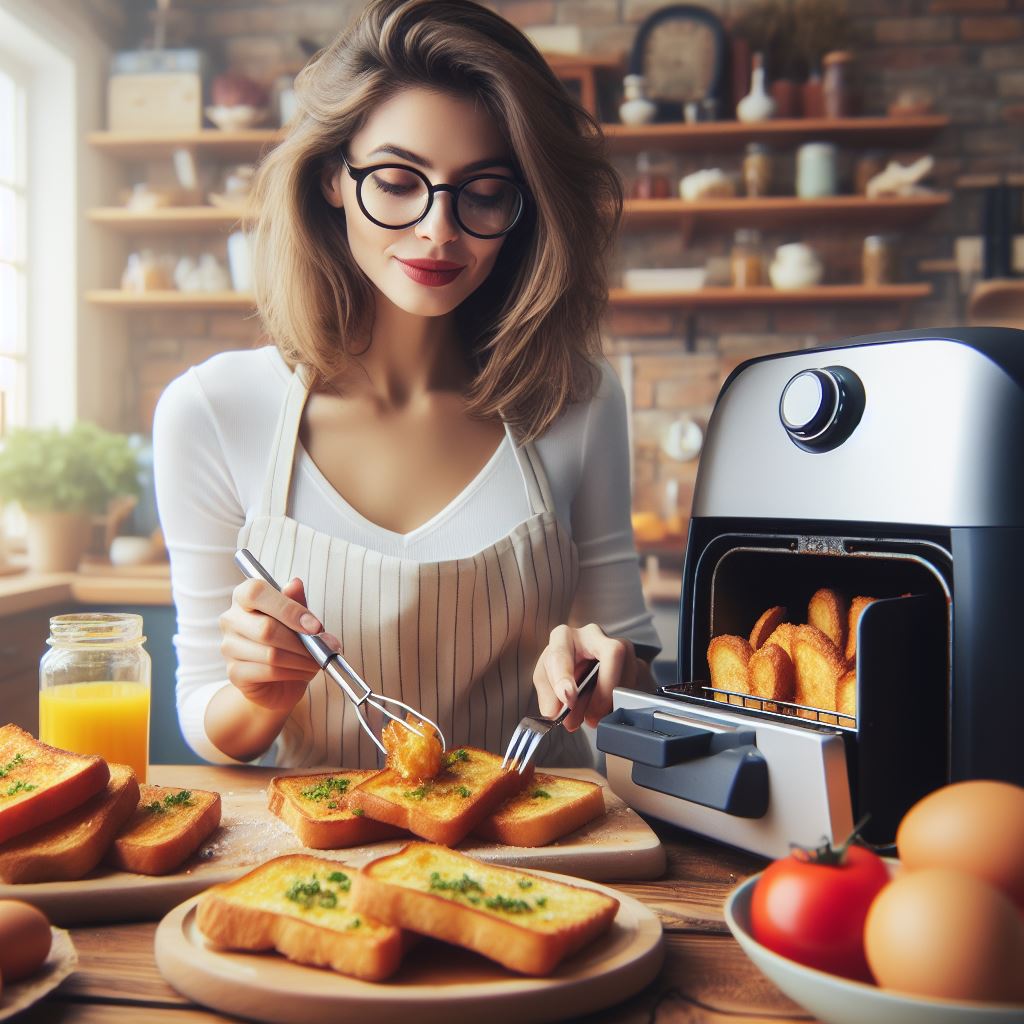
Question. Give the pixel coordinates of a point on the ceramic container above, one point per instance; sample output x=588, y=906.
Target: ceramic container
x=757, y=105
x=816, y=173
x=795, y=265
x=637, y=108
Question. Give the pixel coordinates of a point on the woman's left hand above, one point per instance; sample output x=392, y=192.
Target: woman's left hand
x=569, y=649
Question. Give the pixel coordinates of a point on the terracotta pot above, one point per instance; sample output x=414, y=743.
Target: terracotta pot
x=56, y=540
x=786, y=94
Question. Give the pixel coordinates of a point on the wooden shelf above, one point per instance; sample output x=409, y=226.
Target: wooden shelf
x=156, y=145
x=767, y=296
x=114, y=298
x=169, y=220
x=781, y=211
x=716, y=135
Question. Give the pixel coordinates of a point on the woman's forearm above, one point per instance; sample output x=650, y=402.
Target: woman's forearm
x=238, y=727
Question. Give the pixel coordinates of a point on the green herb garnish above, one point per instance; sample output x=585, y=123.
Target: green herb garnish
x=13, y=763
x=463, y=791
x=524, y=883
x=21, y=786
x=456, y=755
x=354, y=923
x=358, y=811
x=183, y=798
x=341, y=880
x=311, y=893
x=418, y=793
x=326, y=789
x=541, y=794
x=462, y=885
x=541, y=901
x=500, y=902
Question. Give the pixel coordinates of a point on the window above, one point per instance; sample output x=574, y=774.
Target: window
x=13, y=255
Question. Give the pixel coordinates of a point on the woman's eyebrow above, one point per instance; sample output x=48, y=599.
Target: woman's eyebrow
x=405, y=154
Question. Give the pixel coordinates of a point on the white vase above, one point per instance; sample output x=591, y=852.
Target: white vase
x=757, y=105
x=637, y=108
x=56, y=540
x=795, y=266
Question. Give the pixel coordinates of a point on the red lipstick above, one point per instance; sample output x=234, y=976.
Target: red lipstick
x=433, y=273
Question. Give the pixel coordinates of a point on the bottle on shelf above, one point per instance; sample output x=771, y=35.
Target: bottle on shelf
x=757, y=170
x=816, y=173
x=746, y=262
x=757, y=105
x=636, y=108
x=837, y=84
x=876, y=261
x=652, y=179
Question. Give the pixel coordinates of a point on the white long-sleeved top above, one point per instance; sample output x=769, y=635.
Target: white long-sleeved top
x=212, y=435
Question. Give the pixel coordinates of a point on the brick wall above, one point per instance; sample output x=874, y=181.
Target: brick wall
x=968, y=54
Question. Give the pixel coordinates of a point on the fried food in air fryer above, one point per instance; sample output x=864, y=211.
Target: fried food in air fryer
x=818, y=666
x=771, y=675
x=782, y=635
x=769, y=621
x=827, y=611
x=846, y=697
x=857, y=606
x=728, y=657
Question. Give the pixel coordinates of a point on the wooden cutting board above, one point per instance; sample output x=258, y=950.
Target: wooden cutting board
x=620, y=846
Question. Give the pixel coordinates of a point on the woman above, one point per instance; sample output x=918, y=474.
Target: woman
x=432, y=453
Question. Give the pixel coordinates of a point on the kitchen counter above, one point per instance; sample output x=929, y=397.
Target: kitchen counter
x=95, y=583
x=706, y=976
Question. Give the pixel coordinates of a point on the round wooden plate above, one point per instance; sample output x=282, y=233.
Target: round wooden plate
x=436, y=984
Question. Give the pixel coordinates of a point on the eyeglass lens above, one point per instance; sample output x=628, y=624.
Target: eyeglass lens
x=396, y=197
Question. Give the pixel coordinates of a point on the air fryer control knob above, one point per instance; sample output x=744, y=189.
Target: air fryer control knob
x=819, y=408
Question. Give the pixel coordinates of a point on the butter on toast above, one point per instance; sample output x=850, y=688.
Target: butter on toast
x=550, y=807
x=316, y=808
x=39, y=783
x=166, y=829
x=446, y=808
x=301, y=906
x=69, y=847
x=524, y=921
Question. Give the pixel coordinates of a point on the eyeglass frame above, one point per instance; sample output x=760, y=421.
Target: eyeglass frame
x=360, y=174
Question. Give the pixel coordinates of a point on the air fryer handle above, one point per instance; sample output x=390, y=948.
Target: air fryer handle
x=723, y=771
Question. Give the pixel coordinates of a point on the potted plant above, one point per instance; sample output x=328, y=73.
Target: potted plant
x=61, y=478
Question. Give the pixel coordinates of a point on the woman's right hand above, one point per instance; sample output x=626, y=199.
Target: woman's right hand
x=265, y=659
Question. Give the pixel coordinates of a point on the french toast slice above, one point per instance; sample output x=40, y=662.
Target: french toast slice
x=167, y=827
x=857, y=606
x=846, y=697
x=316, y=808
x=523, y=921
x=470, y=785
x=728, y=657
x=69, y=847
x=301, y=906
x=550, y=807
x=818, y=666
x=782, y=636
x=771, y=674
x=827, y=610
x=767, y=623
x=39, y=783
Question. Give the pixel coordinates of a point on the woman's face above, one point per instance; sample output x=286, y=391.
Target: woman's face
x=448, y=138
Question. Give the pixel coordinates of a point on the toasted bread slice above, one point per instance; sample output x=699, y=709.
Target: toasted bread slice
x=445, y=809
x=728, y=657
x=818, y=666
x=857, y=606
x=550, y=807
x=301, y=906
x=71, y=846
x=525, y=922
x=846, y=697
x=782, y=636
x=771, y=673
x=316, y=808
x=166, y=829
x=39, y=783
x=827, y=611
x=769, y=621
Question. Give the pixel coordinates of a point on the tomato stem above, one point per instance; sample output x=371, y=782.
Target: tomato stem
x=826, y=853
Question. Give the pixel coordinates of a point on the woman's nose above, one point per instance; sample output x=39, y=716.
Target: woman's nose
x=439, y=225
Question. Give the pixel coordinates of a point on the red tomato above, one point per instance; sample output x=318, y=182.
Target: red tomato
x=811, y=906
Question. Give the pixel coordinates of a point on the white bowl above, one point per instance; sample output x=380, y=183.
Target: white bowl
x=664, y=279
x=836, y=1000
x=235, y=119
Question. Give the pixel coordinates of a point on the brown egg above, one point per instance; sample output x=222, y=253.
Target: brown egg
x=24, y=939
x=937, y=932
x=977, y=827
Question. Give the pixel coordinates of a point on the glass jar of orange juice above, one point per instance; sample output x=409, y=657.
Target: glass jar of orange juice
x=94, y=686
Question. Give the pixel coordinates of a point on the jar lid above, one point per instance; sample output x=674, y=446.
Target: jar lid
x=95, y=629
x=837, y=57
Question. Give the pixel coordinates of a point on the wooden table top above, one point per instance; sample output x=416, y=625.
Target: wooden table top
x=706, y=977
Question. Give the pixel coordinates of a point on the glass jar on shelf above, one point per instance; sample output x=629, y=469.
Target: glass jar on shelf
x=653, y=178
x=757, y=169
x=746, y=259
x=837, y=83
x=816, y=170
x=877, y=261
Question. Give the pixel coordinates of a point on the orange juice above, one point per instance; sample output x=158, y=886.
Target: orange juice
x=106, y=718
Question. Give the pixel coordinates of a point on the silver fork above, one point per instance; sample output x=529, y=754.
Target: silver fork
x=337, y=668
x=532, y=728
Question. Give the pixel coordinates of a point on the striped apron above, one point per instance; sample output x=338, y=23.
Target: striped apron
x=456, y=639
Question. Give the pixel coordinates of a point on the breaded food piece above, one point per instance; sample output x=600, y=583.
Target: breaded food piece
x=818, y=666
x=846, y=698
x=301, y=906
x=316, y=808
x=70, y=846
x=769, y=621
x=39, y=783
x=445, y=809
x=550, y=807
x=166, y=829
x=771, y=673
x=524, y=921
x=827, y=611
x=857, y=606
x=414, y=753
x=782, y=635
x=728, y=657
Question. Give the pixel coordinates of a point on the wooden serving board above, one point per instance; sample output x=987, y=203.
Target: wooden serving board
x=620, y=846
x=436, y=984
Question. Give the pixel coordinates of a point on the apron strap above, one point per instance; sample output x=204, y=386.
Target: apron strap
x=534, y=477
x=277, y=483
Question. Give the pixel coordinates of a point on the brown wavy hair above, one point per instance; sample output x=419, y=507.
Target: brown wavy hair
x=533, y=325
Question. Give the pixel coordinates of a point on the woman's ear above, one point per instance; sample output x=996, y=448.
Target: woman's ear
x=329, y=185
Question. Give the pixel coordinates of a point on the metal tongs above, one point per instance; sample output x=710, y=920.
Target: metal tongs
x=337, y=668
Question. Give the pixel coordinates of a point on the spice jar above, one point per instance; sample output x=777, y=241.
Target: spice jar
x=837, y=84
x=94, y=685
x=816, y=170
x=757, y=170
x=652, y=178
x=746, y=264
x=876, y=261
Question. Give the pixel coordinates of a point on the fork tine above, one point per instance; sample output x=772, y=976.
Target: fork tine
x=531, y=750
x=513, y=747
